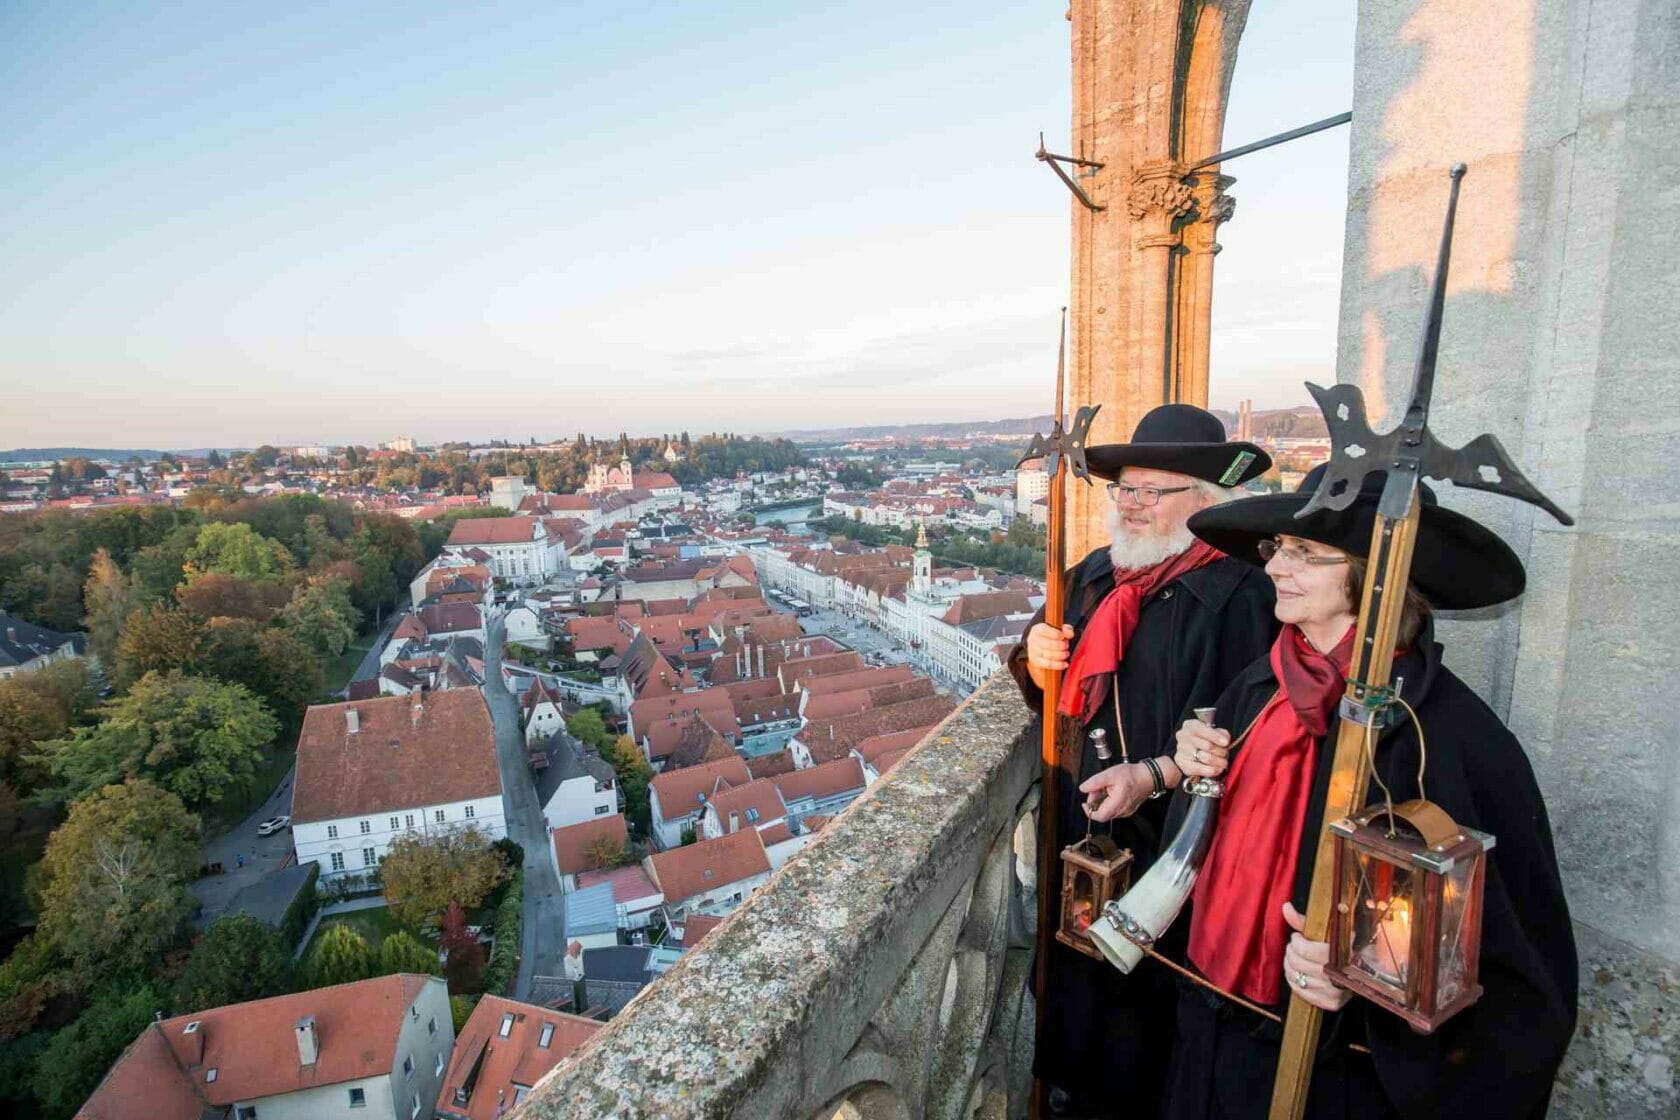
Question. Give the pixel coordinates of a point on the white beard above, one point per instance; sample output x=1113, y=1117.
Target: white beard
x=1129, y=550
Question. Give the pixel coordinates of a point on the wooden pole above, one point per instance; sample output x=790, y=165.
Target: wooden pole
x=1049, y=794
x=1381, y=604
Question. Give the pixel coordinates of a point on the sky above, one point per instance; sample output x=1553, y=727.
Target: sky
x=327, y=223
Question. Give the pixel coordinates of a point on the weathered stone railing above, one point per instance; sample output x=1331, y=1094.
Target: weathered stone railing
x=880, y=974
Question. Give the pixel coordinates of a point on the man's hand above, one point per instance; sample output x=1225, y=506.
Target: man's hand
x=1303, y=967
x=1117, y=791
x=1047, y=651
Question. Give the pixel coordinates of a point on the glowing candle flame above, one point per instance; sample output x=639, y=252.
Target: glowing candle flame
x=1390, y=948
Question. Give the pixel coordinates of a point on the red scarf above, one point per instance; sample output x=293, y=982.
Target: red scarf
x=1103, y=644
x=1237, y=931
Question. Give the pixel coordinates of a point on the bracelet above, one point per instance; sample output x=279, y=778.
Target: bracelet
x=1160, y=782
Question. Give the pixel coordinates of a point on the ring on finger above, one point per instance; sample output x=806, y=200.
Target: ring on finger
x=1301, y=979
x=1199, y=757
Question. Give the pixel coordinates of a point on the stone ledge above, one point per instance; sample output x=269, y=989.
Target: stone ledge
x=761, y=1021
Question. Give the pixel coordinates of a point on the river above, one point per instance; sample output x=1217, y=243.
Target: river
x=794, y=517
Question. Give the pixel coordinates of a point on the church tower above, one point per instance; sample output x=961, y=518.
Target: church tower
x=922, y=581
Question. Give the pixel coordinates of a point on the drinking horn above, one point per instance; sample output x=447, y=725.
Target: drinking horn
x=1131, y=924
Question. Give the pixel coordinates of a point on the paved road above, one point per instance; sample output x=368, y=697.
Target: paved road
x=542, y=939
x=370, y=661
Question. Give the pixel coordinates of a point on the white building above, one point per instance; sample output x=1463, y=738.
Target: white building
x=575, y=787
x=521, y=549
x=369, y=1049
x=370, y=771
x=25, y=647
x=710, y=876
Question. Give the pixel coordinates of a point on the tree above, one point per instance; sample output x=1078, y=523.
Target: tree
x=158, y=568
x=340, y=956
x=107, y=597
x=400, y=952
x=159, y=638
x=37, y=707
x=214, y=460
x=76, y=1058
x=604, y=853
x=464, y=956
x=218, y=595
x=587, y=727
x=424, y=874
x=198, y=738
x=460, y=1010
x=274, y=664
x=237, y=550
x=115, y=874
x=241, y=958
x=634, y=776
x=320, y=615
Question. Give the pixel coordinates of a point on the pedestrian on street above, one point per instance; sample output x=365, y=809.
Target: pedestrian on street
x=239, y=859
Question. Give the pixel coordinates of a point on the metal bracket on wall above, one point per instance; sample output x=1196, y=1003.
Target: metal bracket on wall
x=1056, y=162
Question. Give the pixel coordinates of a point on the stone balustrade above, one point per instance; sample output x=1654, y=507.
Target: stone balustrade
x=881, y=973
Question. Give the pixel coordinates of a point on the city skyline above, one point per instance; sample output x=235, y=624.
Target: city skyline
x=338, y=229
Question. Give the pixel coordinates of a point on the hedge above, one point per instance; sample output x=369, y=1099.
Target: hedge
x=504, y=958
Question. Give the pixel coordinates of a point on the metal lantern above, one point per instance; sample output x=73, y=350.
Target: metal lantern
x=1094, y=871
x=1406, y=929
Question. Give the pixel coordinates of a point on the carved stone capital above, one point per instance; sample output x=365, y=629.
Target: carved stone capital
x=1158, y=195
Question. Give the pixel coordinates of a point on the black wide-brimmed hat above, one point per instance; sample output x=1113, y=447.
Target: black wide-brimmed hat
x=1183, y=439
x=1458, y=563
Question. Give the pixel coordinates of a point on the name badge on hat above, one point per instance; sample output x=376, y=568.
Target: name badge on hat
x=1235, y=471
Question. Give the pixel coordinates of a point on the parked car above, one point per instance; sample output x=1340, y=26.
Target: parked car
x=273, y=825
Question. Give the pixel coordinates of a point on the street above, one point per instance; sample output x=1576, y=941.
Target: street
x=542, y=939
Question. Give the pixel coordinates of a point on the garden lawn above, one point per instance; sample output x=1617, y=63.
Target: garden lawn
x=338, y=670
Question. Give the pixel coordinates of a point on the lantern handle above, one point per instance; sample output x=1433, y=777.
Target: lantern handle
x=1431, y=822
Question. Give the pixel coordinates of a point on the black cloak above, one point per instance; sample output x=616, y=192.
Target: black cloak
x=1103, y=1029
x=1496, y=1058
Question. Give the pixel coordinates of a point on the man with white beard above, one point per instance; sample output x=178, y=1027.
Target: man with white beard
x=1158, y=623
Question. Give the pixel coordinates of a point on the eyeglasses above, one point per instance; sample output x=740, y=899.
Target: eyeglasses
x=1295, y=557
x=1142, y=495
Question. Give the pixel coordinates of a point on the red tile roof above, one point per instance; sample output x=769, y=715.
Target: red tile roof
x=819, y=666
x=407, y=751
x=696, y=928
x=760, y=794
x=862, y=678
x=495, y=530
x=629, y=884
x=487, y=1064
x=253, y=1049
x=877, y=745
x=830, y=738
x=707, y=865
x=679, y=790
x=451, y=618
x=147, y=1071
x=769, y=765
x=572, y=843
x=830, y=779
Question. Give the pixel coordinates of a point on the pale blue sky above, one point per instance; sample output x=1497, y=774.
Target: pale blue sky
x=325, y=222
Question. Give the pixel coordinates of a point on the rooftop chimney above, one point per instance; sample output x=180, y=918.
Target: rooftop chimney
x=308, y=1042
x=734, y=821
x=352, y=720
x=417, y=705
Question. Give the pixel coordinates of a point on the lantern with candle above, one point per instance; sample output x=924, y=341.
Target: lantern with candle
x=1406, y=929
x=1094, y=872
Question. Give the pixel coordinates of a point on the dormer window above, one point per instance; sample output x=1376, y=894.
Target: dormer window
x=192, y=1027
x=547, y=1036
x=706, y=874
x=210, y=1075
x=507, y=1025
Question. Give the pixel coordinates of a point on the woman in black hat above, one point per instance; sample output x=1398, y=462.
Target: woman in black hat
x=1496, y=1058
x=1158, y=624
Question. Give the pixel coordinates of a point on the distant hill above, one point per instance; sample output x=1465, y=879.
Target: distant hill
x=116, y=454
x=1302, y=422
x=952, y=430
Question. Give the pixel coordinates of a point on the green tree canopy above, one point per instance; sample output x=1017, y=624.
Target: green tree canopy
x=274, y=664
x=341, y=955
x=198, y=738
x=76, y=1058
x=423, y=874
x=157, y=639
x=241, y=958
x=218, y=595
x=400, y=952
x=115, y=874
x=320, y=614
x=108, y=597
x=634, y=776
x=36, y=707
x=237, y=550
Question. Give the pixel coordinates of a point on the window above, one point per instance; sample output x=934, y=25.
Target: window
x=369, y=858
x=520, y=1092
x=602, y=810
x=332, y=832
x=338, y=861
x=246, y=1112
x=408, y=1066
x=507, y=1024
x=470, y=812
x=414, y=1107
x=210, y=1075
x=358, y=1098
x=367, y=827
x=438, y=1068
x=408, y=820
x=394, y=825
x=547, y=1035
x=752, y=815
x=437, y=815
x=431, y=1026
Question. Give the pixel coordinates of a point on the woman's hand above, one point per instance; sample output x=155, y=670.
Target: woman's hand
x=1303, y=967
x=1203, y=751
x=1047, y=651
x=1117, y=791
